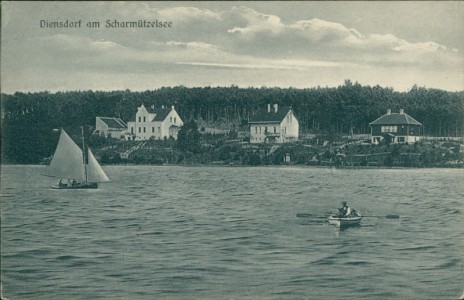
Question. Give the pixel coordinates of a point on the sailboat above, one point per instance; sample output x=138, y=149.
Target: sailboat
x=76, y=170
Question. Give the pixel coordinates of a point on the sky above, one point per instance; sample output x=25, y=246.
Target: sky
x=247, y=44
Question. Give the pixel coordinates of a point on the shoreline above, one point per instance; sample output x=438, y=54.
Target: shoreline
x=260, y=166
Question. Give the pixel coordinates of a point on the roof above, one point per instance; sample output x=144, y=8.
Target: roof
x=150, y=109
x=113, y=122
x=395, y=119
x=160, y=113
x=263, y=116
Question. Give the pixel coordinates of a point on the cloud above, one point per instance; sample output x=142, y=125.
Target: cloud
x=71, y=46
x=320, y=30
x=244, y=32
x=186, y=14
x=320, y=39
x=229, y=42
x=192, y=45
x=254, y=64
x=256, y=22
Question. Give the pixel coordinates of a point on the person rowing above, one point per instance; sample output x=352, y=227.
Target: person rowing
x=346, y=212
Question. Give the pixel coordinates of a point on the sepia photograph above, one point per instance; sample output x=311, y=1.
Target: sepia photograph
x=232, y=150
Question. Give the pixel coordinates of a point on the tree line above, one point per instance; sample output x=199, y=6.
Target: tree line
x=28, y=119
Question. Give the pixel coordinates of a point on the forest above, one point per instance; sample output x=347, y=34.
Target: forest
x=28, y=119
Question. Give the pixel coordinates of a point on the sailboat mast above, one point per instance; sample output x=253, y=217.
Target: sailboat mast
x=83, y=154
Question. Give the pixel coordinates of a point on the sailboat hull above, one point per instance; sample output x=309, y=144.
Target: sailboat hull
x=76, y=186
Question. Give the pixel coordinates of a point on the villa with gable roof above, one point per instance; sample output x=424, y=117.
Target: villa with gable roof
x=395, y=128
x=274, y=125
x=151, y=122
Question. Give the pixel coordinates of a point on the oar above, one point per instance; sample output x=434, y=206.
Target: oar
x=303, y=215
x=386, y=216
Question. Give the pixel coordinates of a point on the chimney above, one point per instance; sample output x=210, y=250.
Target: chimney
x=172, y=107
x=389, y=111
x=268, y=108
x=401, y=111
x=152, y=106
x=276, y=107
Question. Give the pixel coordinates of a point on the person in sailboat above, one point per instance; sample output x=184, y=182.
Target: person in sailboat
x=70, y=163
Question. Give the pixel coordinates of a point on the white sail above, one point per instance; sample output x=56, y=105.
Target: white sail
x=95, y=172
x=67, y=161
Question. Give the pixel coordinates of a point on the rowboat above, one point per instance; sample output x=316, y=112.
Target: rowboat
x=345, y=221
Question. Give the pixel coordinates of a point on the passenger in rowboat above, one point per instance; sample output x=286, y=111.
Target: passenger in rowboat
x=345, y=211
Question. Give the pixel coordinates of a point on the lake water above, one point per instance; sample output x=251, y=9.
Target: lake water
x=233, y=233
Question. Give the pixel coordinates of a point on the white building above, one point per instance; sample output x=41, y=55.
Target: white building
x=274, y=125
x=110, y=127
x=157, y=123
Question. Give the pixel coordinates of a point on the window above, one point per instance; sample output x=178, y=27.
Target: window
x=256, y=129
x=389, y=129
x=401, y=139
x=175, y=120
x=170, y=119
x=275, y=129
x=159, y=129
x=140, y=129
x=153, y=129
x=140, y=119
x=132, y=130
x=144, y=129
x=144, y=119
